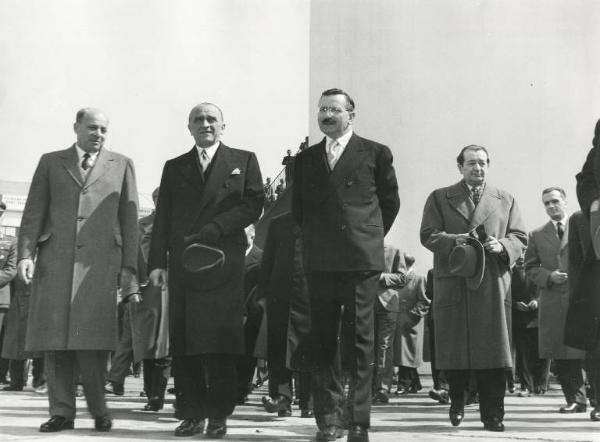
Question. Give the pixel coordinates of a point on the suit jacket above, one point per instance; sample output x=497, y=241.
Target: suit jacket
x=8, y=269
x=82, y=232
x=472, y=327
x=546, y=253
x=206, y=313
x=345, y=213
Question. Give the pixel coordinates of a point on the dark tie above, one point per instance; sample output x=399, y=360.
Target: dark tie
x=476, y=194
x=86, y=163
x=560, y=230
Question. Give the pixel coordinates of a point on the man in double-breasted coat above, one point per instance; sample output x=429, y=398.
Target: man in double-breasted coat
x=547, y=264
x=209, y=194
x=80, y=227
x=472, y=329
x=345, y=199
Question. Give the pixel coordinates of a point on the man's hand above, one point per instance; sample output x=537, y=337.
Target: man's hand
x=492, y=245
x=557, y=277
x=521, y=306
x=533, y=305
x=158, y=277
x=25, y=269
x=461, y=239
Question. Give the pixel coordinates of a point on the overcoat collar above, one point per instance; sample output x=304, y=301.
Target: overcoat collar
x=552, y=236
x=70, y=161
x=459, y=198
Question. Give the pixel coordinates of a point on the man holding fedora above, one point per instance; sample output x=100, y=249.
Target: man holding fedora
x=207, y=197
x=476, y=234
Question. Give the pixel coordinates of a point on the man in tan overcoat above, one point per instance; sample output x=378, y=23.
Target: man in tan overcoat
x=472, y=325
x=78, y=242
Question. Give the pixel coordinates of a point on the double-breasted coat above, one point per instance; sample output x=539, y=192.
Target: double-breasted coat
x=80, y=232
x=546, y=253
x=472, y=327
x=206, y=315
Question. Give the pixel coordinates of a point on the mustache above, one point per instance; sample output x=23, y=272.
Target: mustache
x=327, y=120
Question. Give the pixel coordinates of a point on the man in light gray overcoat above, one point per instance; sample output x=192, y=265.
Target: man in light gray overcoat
x=78, y=236
x=473, y=325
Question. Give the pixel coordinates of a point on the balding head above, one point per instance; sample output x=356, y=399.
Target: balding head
x=91, y=128
x=206, y=124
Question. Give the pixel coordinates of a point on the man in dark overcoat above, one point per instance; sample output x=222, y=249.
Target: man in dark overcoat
x=345, y=199
x=209, y=194
x=472, y=325
x=8, y=271
x=80, y=227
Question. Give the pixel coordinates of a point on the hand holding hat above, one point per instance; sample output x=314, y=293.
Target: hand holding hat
x=208, y=235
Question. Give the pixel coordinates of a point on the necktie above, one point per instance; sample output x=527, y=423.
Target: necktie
x=332, y=154
x=476, y=194
x=204, y=161
x=560, y=230
x=86, y=163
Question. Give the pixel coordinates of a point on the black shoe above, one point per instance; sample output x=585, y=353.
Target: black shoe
x=358, y=434
x=493, y=424
x=307, y=413
x=114, y=388
x=12, y=388
x=189, y=427
x=380, y=397
x=524, y=393
x=154, y=404
x=456, y=416
x=401, y=391
x=330, y=432
x=4, y=381
x=277, y=404
x=57, y=423
x=573, y=408
x=440, y=395
x=216, y=428
x=103, y=423
x=595, y=414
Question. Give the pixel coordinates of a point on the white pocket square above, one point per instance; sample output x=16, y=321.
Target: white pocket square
x=236, y=171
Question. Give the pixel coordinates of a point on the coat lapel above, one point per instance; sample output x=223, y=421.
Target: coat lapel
x=190, y=170
x=487, y=205
x=351, y=158
x=459, y=199
x=70, y=162
x=550, y=233
x=103, y=162
x=220, y=170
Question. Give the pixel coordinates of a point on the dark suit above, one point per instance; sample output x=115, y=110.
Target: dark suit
x=344, y=215
x=206, y=309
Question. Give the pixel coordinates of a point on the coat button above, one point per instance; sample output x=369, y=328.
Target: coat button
x=343, y=227
x=349, y=183
x=80, y=218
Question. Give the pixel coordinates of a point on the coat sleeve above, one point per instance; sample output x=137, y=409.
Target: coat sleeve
x=515, y=239
x=35, y=212
x=396, y=278
x=9, y=270
x=268, y=261
x=297, y=212
x=421, y=306
x=533, y=264
x=587, y=182
x=159, y=243
x=128, y=218
x=387, y=188
x=250, y=207
x=433, y=235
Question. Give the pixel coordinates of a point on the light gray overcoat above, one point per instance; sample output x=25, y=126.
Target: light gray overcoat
x=472, y=326
x=81, y=232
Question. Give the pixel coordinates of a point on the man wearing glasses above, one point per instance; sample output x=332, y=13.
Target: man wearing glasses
x=345, y=199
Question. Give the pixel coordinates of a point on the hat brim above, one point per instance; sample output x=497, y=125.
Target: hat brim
x=199, y=257
x=474, y=282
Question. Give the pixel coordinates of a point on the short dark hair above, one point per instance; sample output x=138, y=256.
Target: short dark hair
x=596, y=140
x=460, y=159
x=552, y=189
x=336, y=91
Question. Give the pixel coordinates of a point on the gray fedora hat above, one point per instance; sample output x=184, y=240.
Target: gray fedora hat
x=199, y=257
x=468, y=260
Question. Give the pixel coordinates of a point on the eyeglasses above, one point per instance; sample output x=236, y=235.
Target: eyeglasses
x=333, y=110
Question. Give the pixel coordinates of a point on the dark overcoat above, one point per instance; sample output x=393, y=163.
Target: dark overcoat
x=206, y=317
x=345, y=213
x=81, y=233
x=283, y=285
x=472, y=327
x=546, y=253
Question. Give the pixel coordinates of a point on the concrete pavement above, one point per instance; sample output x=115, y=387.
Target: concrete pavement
x=409, y=417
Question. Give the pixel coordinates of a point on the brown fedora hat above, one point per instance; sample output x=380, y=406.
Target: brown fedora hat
x=468, y=260
x=199, y=257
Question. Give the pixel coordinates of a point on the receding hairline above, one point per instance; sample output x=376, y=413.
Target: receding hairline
x=83, y=112
x=560, y=190
x=198, y=106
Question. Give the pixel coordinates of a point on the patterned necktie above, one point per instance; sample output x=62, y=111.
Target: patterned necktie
x=560, y=230
x=86, y=163
x=204, y=161
x=332, y=154
x=476, y=194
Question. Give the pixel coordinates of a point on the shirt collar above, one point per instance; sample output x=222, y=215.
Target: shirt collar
x=470, y=187
x=343, y=140
x=563, y=221
x=81, y=153
x=210, y=151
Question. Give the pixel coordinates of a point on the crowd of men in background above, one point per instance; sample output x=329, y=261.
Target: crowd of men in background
x=501, y=304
